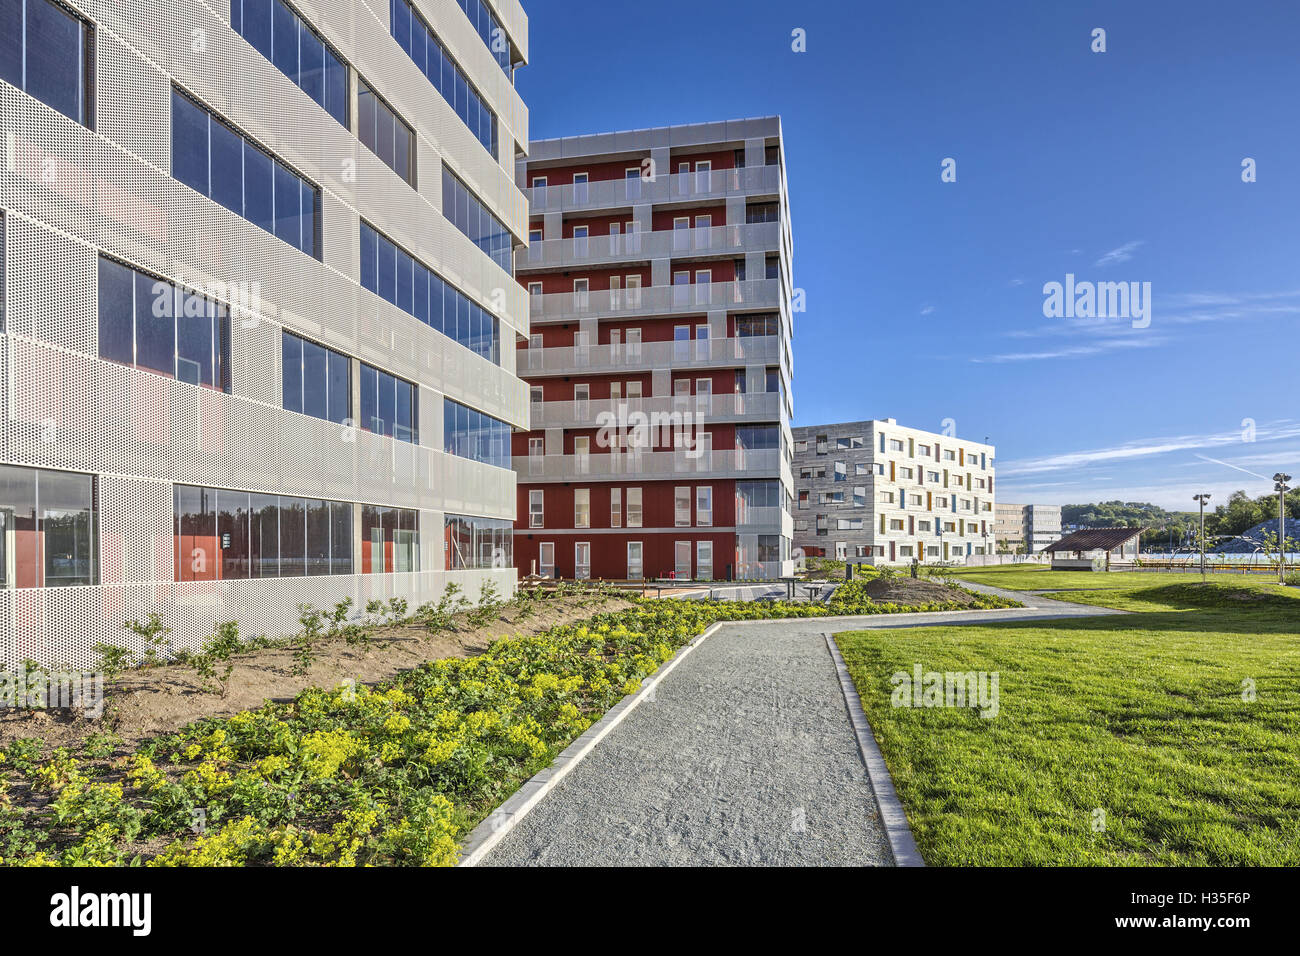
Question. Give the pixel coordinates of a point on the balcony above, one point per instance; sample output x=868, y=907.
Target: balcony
x=762, y=520
x=699, y=353
x=619, y=193
x=581, y=251
x=648, y=465
x=655, y=300
x=763, y=406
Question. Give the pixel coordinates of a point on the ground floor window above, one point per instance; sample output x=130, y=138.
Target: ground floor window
x=546, y=559
x=635, y=568
x=390, y=540
x=227, y=535
x=582, y=560
x=49, y=534
x=477, y=544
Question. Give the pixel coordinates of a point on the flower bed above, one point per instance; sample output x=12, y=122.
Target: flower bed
x=391, y=775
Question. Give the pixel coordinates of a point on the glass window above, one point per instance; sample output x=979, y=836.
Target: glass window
x=196, y=534
x=259, y=187
x=477, y=544
x=464, y=211
x=296, y=50
x=395, y=276
x=469, y=433
x=264, y=536
x=293, y=537
x=227, y=166
x=116, y=312
x=234, y=534
x=48, y=528
x=388, y=405
x=45, y=51
x=190, y=144
x=384, y=133
x=201, y=142
x=152, y=324
x=390, y=540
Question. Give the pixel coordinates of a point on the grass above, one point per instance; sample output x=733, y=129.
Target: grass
x=1147, y=716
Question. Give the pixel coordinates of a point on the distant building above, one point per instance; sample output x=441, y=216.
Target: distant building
x=877, y=492
x=1033, y=526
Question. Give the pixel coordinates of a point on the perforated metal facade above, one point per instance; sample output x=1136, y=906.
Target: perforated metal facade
x=70, y=194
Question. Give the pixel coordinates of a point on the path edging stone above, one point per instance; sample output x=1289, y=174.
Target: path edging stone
x=506, y=817
x=901, y=842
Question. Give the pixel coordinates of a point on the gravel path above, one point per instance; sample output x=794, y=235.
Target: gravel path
x=745, y=756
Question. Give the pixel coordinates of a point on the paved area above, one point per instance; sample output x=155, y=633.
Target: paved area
x=745, y=756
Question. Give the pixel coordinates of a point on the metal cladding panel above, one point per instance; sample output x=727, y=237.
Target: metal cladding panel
x=85, y=188
x=41, y=263
x=136, y=105
x=59, y=627
x=136, y=544
x=156, y=427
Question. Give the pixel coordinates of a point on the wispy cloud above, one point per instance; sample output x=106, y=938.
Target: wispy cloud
x=1074, y=351
x=1122, y=254
x=927, y=309
x=1145, y=448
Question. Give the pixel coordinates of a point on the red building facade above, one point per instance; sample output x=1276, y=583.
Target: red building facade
x=659, y=359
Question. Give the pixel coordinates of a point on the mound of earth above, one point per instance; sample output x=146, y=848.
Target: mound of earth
x=904, y=590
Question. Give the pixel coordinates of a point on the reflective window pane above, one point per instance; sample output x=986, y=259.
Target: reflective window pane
x=189, y=143
x=155, y=326
x=55, y=58
x=116, y=312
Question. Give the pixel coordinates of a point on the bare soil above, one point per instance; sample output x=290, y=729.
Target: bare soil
x=906, y=590
x=145, y=703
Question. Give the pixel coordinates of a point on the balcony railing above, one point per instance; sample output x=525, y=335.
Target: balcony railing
x=570, y=359
x=751, y=519
x=656, y=300
x=763, y=406
x=647, y=464
x=660, y=244
x=716, y=184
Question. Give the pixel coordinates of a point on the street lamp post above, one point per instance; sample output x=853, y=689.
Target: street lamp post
x=1203, y=498
x=1282, y=489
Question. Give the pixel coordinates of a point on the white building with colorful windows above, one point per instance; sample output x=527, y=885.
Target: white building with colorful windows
x=876, y=492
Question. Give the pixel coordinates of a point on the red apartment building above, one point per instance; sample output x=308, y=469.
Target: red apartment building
x=659, y=360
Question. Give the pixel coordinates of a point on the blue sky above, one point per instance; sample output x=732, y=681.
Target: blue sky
x=925, y=298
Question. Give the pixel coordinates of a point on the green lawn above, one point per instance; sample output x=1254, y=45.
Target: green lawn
x=1140, y=715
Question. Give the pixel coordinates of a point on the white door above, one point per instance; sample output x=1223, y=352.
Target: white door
x=681, y=233
x=682, y=560
x=704, y=560
x=582, y=560
x=635, y=569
